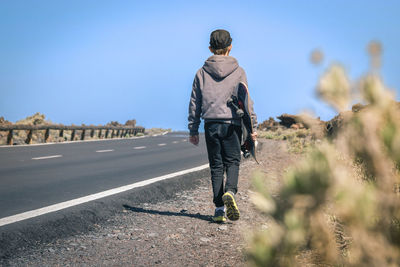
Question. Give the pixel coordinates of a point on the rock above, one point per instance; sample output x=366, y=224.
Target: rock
x=114, y=123
x=269, y=124
x=338, y=122
x=174, y=236
x=300, y=121
x=35, y=119
x=4, y=121
x=153, y=235
x=296, y=122
x=130, y=123
x=51, y=250
x=287, y=120
x=223, y=228
x=182, y=230
x=205, y=239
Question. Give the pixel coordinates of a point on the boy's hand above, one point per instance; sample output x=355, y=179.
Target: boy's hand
x=194, y=139
x=254, y=136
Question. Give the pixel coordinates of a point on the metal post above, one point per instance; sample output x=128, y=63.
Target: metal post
x=47, y=135
x=73, y=135
x=29, y=137
x=10, y=137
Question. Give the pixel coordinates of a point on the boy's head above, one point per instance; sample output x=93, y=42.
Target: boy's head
x=220, y=42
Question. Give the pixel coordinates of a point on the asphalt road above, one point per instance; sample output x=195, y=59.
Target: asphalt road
x=33, y=177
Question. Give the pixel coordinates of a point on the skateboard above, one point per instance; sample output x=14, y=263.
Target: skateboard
x=240, y=102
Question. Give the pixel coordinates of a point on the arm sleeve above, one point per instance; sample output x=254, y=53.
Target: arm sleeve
x=195, y=107
x=253, y=115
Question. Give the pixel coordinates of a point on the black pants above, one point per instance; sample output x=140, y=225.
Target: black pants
x=223, y=147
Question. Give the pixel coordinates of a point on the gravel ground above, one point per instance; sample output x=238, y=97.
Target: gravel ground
x=175, y=232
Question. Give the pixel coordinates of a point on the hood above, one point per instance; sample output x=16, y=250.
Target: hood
x=219, y=66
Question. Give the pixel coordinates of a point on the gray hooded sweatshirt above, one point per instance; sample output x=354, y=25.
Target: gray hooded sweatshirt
x=213, y=85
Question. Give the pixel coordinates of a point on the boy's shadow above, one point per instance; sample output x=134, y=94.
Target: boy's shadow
x=169, y=213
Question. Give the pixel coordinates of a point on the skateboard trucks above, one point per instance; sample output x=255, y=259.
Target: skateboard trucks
x=232, y=102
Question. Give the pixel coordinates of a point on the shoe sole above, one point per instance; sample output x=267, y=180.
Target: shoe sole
x=219, y=219
x=232, y=211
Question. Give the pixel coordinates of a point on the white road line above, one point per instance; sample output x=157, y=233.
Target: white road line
x=105, y=150
x=184, y=140
x=175, y=142
x=164, y=133
x=81, y=200
x=48, y=157
x=139, y=147
x=162, y=144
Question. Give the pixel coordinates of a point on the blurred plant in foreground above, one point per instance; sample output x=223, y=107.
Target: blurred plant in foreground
x=342, y=202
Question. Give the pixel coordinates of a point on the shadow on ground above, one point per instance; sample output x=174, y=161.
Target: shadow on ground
x=169, y=213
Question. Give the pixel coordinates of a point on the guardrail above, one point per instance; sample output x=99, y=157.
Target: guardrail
x=103, y=131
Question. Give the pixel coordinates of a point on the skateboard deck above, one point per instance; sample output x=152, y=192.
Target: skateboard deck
x=241, y=103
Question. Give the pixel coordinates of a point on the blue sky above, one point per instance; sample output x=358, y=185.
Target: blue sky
x=96, y=61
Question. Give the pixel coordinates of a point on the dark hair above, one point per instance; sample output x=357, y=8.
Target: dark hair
x=221, y=51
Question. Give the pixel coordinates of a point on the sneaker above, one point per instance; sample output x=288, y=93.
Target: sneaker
x=219, y=216
x=232, y=211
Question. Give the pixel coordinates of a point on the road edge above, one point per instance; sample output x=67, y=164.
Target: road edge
x=18, y=238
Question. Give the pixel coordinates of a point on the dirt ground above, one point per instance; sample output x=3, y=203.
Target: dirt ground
x=175, y=232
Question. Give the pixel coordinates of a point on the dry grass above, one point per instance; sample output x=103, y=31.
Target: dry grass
x=298, y=141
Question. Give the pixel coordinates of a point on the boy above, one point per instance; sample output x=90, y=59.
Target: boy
x=213, y=85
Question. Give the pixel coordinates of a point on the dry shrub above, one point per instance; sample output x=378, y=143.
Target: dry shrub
x=298, y=141
x=342, y=202
x=37, y=136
